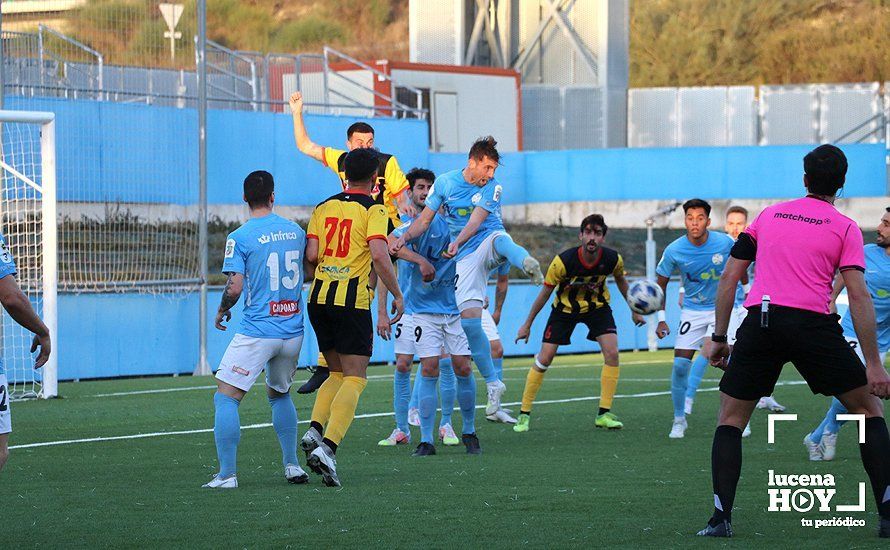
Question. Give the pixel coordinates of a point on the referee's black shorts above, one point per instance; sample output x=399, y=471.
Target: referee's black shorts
x=813, y=342
x=346, y=330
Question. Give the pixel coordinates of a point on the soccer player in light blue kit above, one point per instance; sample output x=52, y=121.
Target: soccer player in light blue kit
x=700, y=257
x=821, y=443
x=437, y=327
x=414, y=267
x=471, y=200
x=18, y=306
x=266, y=256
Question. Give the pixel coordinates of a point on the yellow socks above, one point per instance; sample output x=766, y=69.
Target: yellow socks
x=533, y=382
x=343, y=407
x=321, y=411
x=322, y=362
x=609, y=383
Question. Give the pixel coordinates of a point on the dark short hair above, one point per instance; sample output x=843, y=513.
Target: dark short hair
x=593, y=221
x=697, y=203
x=258, y=188
x=826, y=169
x=360, y=127
x=485, y=147
x=737, y=210
x=419, y=174
x=361, y=165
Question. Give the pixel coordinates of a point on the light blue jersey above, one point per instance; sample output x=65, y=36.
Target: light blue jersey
x=436, y=296
x=7, y=267
x=700, y=268
x=404, y=273
x=269, y=252
x=877, y=279
x=458, y=198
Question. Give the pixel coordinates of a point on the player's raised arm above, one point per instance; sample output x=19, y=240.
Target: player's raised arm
x=231, y=295
x=304, y=144
x=19, y=308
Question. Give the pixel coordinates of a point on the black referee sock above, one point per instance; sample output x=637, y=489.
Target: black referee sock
x=726, y=467
x=876, y=459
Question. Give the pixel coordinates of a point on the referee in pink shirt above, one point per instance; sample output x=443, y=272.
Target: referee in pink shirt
x=799, y=246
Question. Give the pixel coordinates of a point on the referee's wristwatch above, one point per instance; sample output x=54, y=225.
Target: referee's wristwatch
x=718, y=338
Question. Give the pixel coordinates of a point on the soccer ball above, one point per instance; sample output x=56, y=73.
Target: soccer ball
x=645, y=297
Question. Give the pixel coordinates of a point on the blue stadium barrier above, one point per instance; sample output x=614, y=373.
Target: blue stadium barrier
x=139, y=153
x=112, y=335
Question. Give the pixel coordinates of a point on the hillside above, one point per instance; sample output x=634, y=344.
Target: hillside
x=673, y=42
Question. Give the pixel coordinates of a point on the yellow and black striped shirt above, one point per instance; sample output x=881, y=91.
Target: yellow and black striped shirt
x=581, y=287
x=343, y=225
x=391, y=181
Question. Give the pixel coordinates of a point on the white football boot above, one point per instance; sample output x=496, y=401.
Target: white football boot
x=217, y=482
x=294, y=474
x=495, y=390
x=828, y=445
x=678, y=429
x=813, y=449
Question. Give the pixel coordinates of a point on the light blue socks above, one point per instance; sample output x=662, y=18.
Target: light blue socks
x=447, y=389
x=699, y=366
x=226, y=432
x=401, y=394
x=479, y=347
x=506, y=248
x=427, y=402
x=679, y=379
x=284, y=420
x=466, y=397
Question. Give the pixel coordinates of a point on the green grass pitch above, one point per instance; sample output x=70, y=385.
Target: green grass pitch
x=562, y=484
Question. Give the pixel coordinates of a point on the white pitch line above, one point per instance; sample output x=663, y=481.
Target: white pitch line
x=370, y=377
x=357, y=417
x=142, y=392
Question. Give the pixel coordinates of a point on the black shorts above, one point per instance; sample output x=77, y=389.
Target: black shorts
x=813, y=342
x=560, y=326
x=346, y=330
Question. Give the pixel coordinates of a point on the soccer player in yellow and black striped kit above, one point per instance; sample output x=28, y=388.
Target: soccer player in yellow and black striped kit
x=345, y=237
x=388, y=189
x=579, y=276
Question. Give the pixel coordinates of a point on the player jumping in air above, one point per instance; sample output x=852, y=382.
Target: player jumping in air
x=700, y=257
x=388, y=189
x=471, y=199
x=821, y=443
x=579, y=276
x=347, y=233
x=266, y=255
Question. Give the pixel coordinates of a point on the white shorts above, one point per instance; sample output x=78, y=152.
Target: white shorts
x=405, y=339
x=735, y=321
x=491, y=329
x=437, y=332
x=247, y=356
x=695, y=326
x=5, y=418
x=473, y=270
x=854, y=343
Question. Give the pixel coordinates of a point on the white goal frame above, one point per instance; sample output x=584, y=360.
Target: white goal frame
x=49, y=242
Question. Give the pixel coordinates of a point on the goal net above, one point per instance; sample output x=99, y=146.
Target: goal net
x=28, y=224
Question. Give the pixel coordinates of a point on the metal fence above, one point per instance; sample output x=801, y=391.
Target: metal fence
x=562, y=117
x=739, y=115
x=47, y=63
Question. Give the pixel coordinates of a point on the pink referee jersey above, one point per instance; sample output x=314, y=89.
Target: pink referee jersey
x=801, y=244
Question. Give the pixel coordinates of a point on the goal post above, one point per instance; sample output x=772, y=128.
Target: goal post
x=28, y=222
